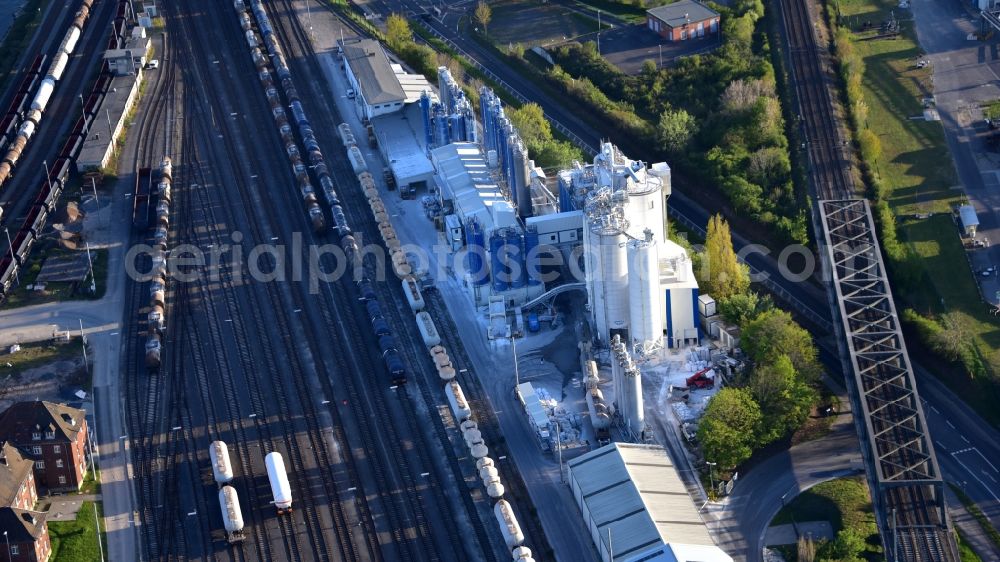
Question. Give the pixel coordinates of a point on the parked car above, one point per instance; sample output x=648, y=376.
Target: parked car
x=153, y=64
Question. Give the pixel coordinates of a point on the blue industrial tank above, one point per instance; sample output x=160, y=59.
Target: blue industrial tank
x=531, y=260
x=425, y=112
x=476, y=252
x=498, y=271
x=515, y=257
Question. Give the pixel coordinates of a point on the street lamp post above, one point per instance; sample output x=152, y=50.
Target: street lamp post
x=93, y=468
x=17, y=275
x=598, y=32
x=517, y=372
x=711, y=474
x=6, y=538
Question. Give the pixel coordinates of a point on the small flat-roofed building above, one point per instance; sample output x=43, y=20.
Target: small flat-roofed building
x=130, y=58
x=633, y=494
x=683, y=20
x=402, y=147
x=970, y=221
x=376, y=86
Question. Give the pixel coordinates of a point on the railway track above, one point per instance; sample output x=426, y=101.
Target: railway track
x=516, y=491
x=298, y=44
x=827, y=150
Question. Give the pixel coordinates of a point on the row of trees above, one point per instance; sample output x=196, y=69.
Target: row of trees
x=716, y=115
x=774, y=397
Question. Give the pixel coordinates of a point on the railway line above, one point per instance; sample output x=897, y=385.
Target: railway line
x=516, y=492
x=415, y=464
x=906, y=483
x=829, y=164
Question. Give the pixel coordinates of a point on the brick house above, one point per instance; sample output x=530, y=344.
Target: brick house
x=54, y=437
x=27, y=533
x=17, y=480
x=683, y=20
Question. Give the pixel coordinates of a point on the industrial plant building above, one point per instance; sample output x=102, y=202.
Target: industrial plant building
x=600, y=228
x=683, y=20
x=637, y=508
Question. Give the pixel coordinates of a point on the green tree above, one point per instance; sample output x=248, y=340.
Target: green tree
x=744, y=307
x=556, y=154
x=784, y=398
x=675, y=129
x=398, y=34
x=775, y=333
x=726, y=276
x=728, y=427
x=483, y=15
x=530, y=122
x=848, y=546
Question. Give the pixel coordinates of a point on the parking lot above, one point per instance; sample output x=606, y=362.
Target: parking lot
x=628, y=47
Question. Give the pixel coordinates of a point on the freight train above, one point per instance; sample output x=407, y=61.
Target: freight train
x=229, y=501
x=158, y=224
x=30, y=116
x=50, y=187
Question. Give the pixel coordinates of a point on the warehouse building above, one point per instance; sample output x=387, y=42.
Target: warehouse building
x=683, y=20
x=102, y=138
x=377, y=90
x=636, y=507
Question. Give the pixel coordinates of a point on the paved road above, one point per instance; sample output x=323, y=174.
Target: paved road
x=966, y=74
x=742, y=519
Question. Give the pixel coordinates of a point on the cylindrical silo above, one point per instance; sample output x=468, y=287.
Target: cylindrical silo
x=645, y=206
x=632, y=405
x=515, y=259
x=521, y=187
x=607, y=261
x=532, y=262
x=498, y=272
x=645, y=316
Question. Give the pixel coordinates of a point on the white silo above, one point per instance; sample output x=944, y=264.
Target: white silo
x=645, y=204
x=628, y=386
x=607, y=260
x=632, y=389
x=645, y=314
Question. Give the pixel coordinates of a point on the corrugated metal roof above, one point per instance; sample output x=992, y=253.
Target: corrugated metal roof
x=466, y=181
x=634, y=491
x=968, y=215
x=370, y=66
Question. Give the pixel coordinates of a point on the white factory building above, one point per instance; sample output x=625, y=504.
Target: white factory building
x=640, y=284
x=637, y=508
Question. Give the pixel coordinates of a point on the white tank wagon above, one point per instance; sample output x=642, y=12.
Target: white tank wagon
x=446, y=373
x=479, y=451
x=427, y=329
x=488, y=472
x=442, y=360
x=412, y=291
x=278, y=478
x=456, y=399
x=483, y=463
x=346, y=136
x=495, y=490
x=472, y=436
x=222, y=468
x=357, y=160
x=232, y=516
x=521, y=553
x=509, y=526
